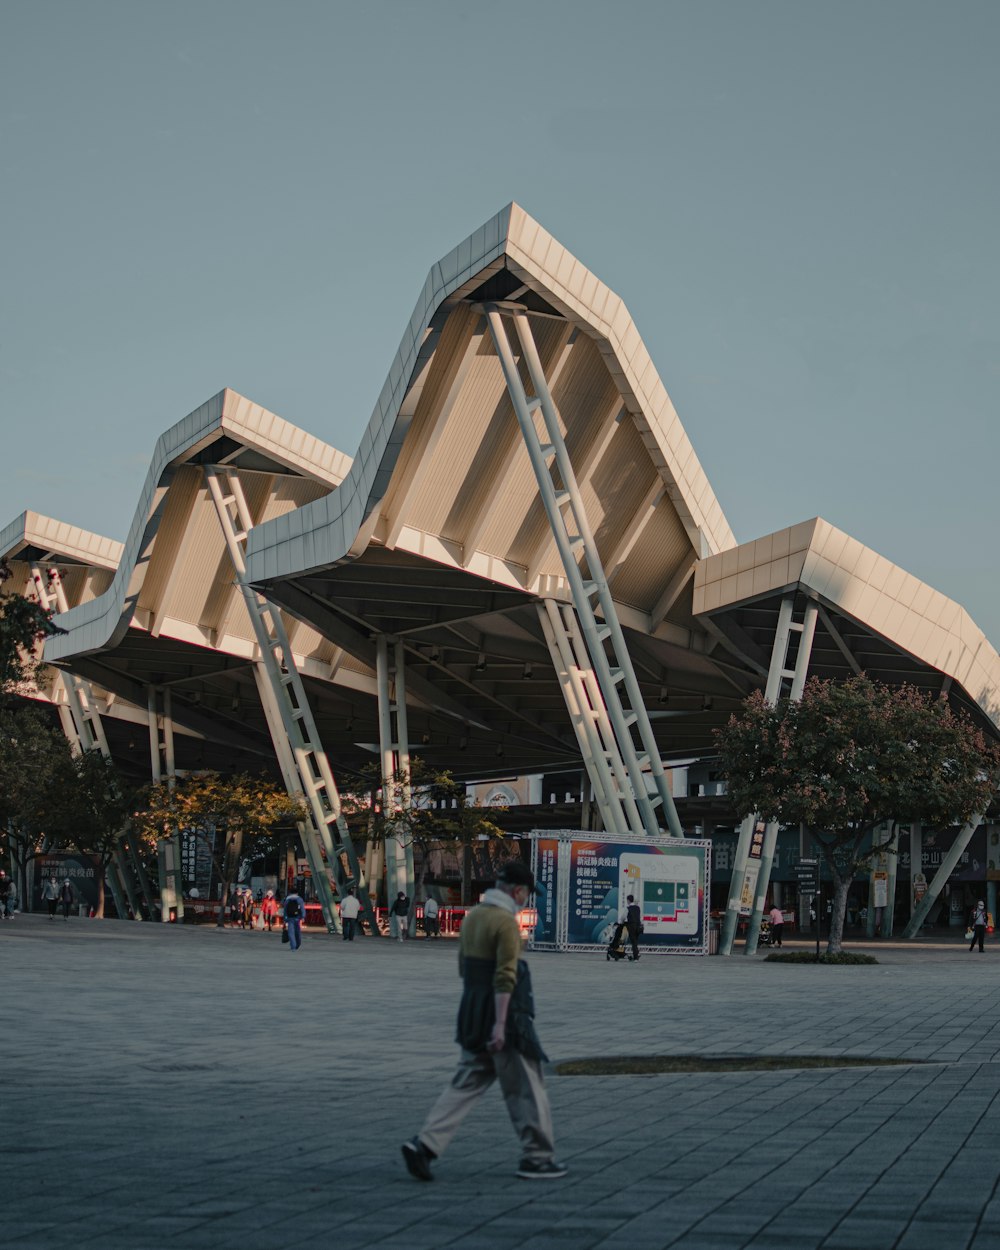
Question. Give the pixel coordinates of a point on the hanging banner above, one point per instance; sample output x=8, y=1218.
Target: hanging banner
x=748, y=888
x=584, y=881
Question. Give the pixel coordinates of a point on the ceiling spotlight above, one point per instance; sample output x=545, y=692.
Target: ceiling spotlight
x=481, y=663
x=435, y=654
x=463, y=742
x=425, y=738
x=528, y=673
x=706, y=703
x=500, y=752
x=664, y=695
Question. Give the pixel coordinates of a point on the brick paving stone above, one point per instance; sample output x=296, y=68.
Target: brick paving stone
x=184, y=1085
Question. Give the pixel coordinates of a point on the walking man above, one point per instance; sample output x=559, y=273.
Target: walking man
x=431, y=925
x=50, y=893
x=350, y=906
x=399, y=915
x=497, y=1035
x=633, y=922
x=295, y=910
x=66, y=897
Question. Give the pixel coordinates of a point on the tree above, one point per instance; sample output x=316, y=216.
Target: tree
x=94, y=812
x=850, y=757
x=24, y=623
x=36, y=775
x=222, y=812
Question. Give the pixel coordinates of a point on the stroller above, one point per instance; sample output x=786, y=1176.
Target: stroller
x=765, y=938
x=618, y=946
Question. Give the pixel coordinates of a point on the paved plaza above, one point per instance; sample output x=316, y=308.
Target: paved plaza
x=187, y=1087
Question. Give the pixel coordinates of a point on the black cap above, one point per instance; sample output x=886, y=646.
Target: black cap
x=517, y=872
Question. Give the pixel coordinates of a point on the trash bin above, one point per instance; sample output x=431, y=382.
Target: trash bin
x=85, y=910
x=713, y=937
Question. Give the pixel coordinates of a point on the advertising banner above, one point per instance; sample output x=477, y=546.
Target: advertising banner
x=584, y=881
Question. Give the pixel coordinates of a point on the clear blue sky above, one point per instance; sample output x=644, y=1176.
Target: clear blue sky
x=798, y=201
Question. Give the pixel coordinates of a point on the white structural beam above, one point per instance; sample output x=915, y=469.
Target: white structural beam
x=82, y=726
x=755, y=854
x=492, y=491
x=431, y=437
x=614, y=673
x=672, y=592
x=396, y=781
x=614, y=560
x=305, y=767
x=586, y=464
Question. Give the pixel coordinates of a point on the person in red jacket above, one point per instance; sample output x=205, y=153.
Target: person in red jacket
x=269, y=909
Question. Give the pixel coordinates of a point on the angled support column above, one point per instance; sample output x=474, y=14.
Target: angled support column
x=161, y=760
x=755, y=855
x=82, y=725
x=942, y=875
x=304, y=764
x=395, y=754
x=604, y=641
x=605, y=767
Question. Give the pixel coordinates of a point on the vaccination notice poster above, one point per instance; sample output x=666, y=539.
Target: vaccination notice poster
x=585, y=880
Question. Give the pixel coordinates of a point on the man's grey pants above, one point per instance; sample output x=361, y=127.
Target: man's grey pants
x=523, y=1092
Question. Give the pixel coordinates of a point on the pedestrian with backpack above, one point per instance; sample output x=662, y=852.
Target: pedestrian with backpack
x=294, y=911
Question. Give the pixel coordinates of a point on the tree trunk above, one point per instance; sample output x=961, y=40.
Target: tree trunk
x=99, y=911
x=466, y=874
x=230, y=866
x=836, y=939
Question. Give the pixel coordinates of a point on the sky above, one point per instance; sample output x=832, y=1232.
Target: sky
x=797, y=201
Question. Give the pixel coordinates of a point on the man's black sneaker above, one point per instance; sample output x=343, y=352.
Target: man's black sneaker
x=548, y=1170
x=417, y=1158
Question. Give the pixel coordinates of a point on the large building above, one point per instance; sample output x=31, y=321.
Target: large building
x=523, y=570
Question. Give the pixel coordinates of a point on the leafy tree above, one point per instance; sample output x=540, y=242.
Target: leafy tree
x=94, y=811
x=36, y=775
x=852, y=756
x=222, y=812
x=24, y=623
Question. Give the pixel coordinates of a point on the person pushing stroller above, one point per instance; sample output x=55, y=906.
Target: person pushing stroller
x=629, y=923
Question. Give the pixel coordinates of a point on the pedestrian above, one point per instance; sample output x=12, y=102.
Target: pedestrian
x=5, y=888
x=295, y=911
x=235, y=905
x=633, y=923
x=978, y=925
x=777, y=919
x=268, y=909
x=399, y=915
x=431, y=926
x=50, y=895
x=350, y=908
x=246, y=909
x=497, y=1035
x=66, y=897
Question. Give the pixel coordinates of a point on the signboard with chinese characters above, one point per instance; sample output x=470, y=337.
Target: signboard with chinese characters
x=584, y=882
x=749, y=887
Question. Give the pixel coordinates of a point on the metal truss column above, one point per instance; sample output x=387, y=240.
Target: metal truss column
x=588, y=713
x=745, y=875
x=305, y=767
x=609, y=661
x=161, y=759
x=948, y=864
x=81, y=723
x=395, y=754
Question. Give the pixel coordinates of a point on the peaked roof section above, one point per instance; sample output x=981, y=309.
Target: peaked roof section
x=878, y=617
x=441, y=469
x=32, y=536
x=230, y=429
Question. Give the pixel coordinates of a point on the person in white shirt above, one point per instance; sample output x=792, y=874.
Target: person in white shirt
x=431, y=926
x=350, y=908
